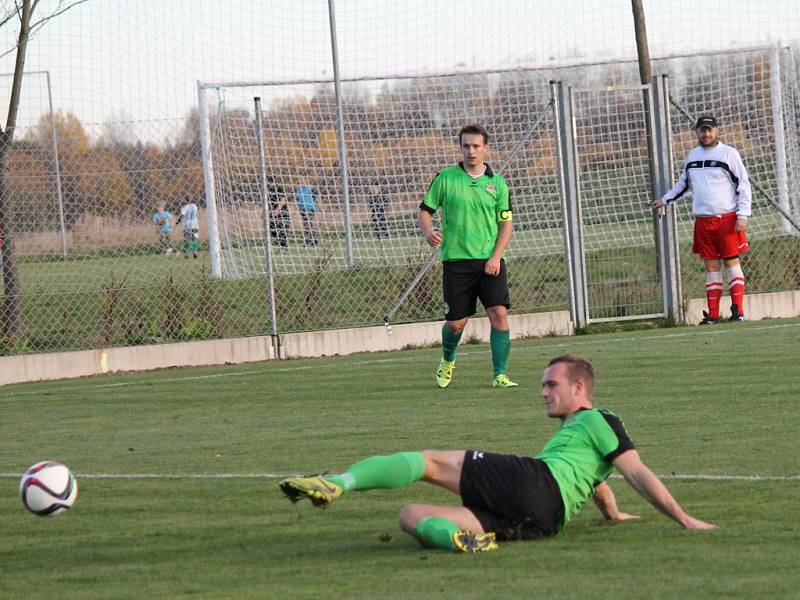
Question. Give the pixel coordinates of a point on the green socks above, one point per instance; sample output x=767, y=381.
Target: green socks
x=449, y=343
x=382, y=472
x=397, y=470
x=436, y=532
x=500, y=342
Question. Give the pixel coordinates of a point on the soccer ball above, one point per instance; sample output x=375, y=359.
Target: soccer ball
x=48, y=488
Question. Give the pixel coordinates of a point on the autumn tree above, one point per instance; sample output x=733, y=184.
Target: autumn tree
x=23, y=11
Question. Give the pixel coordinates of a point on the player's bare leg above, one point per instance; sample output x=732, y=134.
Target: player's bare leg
x=446, y=527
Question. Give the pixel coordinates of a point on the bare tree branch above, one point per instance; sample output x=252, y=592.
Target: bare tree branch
x=11, y=14
x=59, y=10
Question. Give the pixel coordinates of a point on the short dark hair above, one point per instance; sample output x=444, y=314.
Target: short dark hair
x=474, y=129
x=577, y=368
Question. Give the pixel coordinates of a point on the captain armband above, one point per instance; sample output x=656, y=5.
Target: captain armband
x=504, y=215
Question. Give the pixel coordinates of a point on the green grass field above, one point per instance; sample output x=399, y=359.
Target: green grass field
x=178, y=471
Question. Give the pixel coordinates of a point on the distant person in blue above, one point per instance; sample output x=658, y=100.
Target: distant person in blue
x=191, y=229
x=163, y=220
x=304, y=196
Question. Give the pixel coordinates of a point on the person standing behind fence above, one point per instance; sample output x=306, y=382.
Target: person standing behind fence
x=476, y=228
x=378, y=203
x=279, y=213
x=720, y=186
x=304, y=196
x=163, y=220
x=191, y=231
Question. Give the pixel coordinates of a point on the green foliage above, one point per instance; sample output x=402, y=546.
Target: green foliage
x=693, y=406
x=199, y=329
x=17, y=344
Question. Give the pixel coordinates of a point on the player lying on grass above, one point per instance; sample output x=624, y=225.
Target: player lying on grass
x=507, y=497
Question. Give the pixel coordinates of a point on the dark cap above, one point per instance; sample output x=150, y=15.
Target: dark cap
x=706, y=121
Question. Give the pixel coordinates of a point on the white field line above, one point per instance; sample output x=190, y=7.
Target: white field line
x=569, y=342
x=674, y=477
x=125, y=384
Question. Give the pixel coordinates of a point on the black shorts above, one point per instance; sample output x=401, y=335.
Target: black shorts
x=464, y=281
x=514, y=496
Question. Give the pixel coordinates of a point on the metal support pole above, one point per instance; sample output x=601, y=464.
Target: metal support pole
x=265, y=218
x=348, y=225
x=669, y=263
x=57, y=168
x=781, y=172
x=569, y=189
x=214, y=246
x=645, y=78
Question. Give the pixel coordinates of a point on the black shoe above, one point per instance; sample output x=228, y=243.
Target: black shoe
x=736, y=316
x=708, y=320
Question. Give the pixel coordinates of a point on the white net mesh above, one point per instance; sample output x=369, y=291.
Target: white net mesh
x=124, y=94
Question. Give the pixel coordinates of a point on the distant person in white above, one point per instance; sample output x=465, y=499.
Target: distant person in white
x=191, y=231
x=721, y=202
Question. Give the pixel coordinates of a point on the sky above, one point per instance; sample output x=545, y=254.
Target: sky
x=138, y=62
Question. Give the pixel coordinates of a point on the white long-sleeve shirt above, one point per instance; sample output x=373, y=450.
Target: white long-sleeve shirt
x=717, y=180
x=189, y=216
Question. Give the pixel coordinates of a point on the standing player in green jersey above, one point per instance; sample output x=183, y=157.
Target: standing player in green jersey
x=507, y=497
x=476, y=228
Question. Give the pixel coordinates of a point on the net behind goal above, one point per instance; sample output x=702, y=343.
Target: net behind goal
x=398, y=132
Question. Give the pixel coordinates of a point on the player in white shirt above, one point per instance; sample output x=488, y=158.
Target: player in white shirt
x=191, y=230
x=721, y=202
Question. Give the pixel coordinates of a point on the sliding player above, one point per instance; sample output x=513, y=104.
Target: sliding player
x=507, y=497
x=476, y=228
x=720, y=187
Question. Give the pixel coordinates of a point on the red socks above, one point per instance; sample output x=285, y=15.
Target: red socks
x=736, y=286
x=713, y=292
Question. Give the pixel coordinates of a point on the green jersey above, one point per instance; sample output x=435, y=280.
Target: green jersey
x=580, y=455
x=471, y=207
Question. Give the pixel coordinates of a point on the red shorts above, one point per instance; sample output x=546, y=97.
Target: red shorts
x=716, y=237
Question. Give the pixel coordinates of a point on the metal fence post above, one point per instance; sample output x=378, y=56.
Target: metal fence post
x=265, y=218
x=57, y=168
x=669, y=263
x=348, y=225
x=570, y=203
x=214, y=247
x=781, y=172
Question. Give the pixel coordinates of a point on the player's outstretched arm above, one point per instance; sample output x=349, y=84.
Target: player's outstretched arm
x=650, y=487
x=607, y=504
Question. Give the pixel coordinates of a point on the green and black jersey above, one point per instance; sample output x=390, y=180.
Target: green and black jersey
x=581, y=452
x=471, y=210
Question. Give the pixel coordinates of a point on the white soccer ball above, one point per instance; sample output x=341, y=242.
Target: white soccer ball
x=48, y=488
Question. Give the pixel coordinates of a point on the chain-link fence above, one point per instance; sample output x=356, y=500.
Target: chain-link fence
x=99, y=260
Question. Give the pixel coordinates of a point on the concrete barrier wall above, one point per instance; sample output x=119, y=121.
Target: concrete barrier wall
x=63, y=365
x=780, y=305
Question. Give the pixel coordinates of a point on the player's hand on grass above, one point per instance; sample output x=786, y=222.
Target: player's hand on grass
x=434, y=238
x=623, y=516
x=492, y=266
